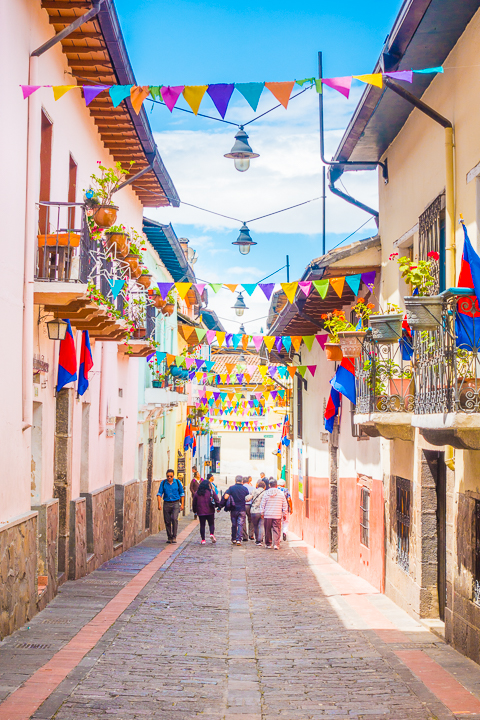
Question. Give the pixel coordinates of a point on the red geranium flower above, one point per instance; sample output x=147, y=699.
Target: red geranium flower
x=393, y=255
x=434, y=255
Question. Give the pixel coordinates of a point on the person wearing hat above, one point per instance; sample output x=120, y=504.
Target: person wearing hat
x=282, y=485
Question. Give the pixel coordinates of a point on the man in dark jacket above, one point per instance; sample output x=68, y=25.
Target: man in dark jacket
x=238, y=493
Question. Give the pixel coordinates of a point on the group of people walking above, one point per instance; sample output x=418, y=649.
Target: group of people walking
x=259, y=513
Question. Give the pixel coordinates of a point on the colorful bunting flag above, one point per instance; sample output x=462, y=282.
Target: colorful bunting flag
x=119, y=93
x=321, y=286
x=371, y=79
x=138, y=95
x=90, y=92
x=193, y=95
x=61, y=90
x=170, y=95
x=281, y=91
x=220, y=94
x=337, y=284
x=353, y=282
x=182, y=288
x=342, y=84
x=267, y=289
x=251, y=92
x=290, y=290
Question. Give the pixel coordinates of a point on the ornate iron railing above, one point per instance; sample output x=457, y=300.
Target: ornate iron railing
x=65, y=249
x=443, y=374
x=384, y=378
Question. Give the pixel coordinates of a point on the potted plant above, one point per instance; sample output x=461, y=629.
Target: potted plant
x=99, y=196
x=118, y=236
x=139, y=333
x=387, y=327
x=144, y=278
x=424, y=311
x=335, y=323
x=169, y=307
x=158, y=301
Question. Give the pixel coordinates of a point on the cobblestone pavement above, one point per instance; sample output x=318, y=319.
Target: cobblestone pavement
x=230, y=633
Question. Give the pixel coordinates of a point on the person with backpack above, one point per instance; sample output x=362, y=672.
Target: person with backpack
x=173, y=494
x=283, y=487
x=255, y=513
x=274, y=508
x=234, y=502
x=205, y=501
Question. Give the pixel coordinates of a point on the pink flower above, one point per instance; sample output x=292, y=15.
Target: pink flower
x=434, y=255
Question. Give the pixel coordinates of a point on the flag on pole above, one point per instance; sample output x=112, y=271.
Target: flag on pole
x=67, y=359
x=467, y=321
x=86, y=363
x=344, y=380
x=331, y=410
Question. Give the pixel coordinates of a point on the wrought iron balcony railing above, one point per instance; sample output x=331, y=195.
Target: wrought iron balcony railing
x=443, y=374
x=64, y=245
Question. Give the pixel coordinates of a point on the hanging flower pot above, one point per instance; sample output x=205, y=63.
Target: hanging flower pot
x=386, y=328
x=158, y=302
x=144, y=279
x=168, y=309
x=139, y=333
x=424, y=313
x=105, y=215
x=136, y=272
x=351, y=342
x=333, y=352
x=132, y=260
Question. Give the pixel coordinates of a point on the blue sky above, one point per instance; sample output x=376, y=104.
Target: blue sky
x=192, y=43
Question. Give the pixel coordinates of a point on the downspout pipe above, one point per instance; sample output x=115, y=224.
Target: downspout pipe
x=339, y=164
x=450, y=246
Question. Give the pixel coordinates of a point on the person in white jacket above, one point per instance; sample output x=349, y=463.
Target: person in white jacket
x=274, y=509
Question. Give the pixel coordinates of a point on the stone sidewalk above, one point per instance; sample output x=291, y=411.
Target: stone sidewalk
x=229, y=633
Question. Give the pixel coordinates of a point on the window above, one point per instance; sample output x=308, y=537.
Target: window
x=299, y=406
x=476, y=569
x=72, y=191
x=45, y=171
x=403, y=489
x=216, y=441
x=431, y=238
x=364, y=515
x=257, y=449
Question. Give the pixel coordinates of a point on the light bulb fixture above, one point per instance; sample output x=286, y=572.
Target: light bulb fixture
x=241, y=330
x=239, y=306
x=244, y=241
x=241, y=152
x=57, y=329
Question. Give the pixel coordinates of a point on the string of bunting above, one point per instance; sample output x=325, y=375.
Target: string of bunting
x=221, y=93
x=289, y=288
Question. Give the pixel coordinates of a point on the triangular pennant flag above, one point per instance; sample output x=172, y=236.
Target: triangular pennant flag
x=321, y=286
x=164, y=289
x=290, y=290
x=368, y=277
x=337, y=284
x=189, y=362
x=231, y=286
x=201, y=332
x=292, y=369
x=287, y=342
x=60, y=90
x=193, y=95
x=296, y=342
x=215, y=287
x=200, y=287
x=211, y=336
x=281, y=90
x=353, y=282
x=220, y=338
x=179, y=360
x=182, y=288
x=119, y=93
x=170, y=359
x=116, y=286
x=302, y=369
x=155, y=91
x=257, y=341
x=267, y=289
x=230, y=367
x=322, y=340
x=426, y=71
x=269, y=340
x=342, y=84
x=305, y=286
x=28, y=90
x=251, y=92
x=249, y=287
x=236, y=340
x=305, y=80
x=312, y=369
x=278, y=343
x=371, y=79
x=308, y=340
x=221, y=94
x=406, y=75
x=137, y=96
x=160, y=357
x=245, y=341
x=170, y=95
x=90, y=92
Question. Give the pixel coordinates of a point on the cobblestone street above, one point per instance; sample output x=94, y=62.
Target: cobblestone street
x=234, y=633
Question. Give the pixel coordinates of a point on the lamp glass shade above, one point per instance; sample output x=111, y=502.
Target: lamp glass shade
x=57, y=329
x=244, y=249
x=240, y=306
x=241, y=164
x=239, y=311
x=244, y=241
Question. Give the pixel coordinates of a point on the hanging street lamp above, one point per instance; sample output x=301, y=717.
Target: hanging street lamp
x=57, y=329
x=241, y=152
x=244, y=241
x=239, y=306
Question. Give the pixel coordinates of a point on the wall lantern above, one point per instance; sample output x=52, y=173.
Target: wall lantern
x=244, y=241
x=241, y=152
x=57, y=329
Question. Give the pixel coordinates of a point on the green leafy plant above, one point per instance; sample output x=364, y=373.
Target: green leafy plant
x=105, y=184
x=116, y=229
x=364, y=310
x=418, y=273
x=336, y=322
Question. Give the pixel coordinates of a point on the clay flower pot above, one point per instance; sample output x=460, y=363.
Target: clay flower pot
x=386, y=328
x=145, y=280
x=139, y=333
x=136, y=272
x=132, y=260
x=351, y=343
x=105, y=215
x=158, y=302
x=168, y=309
x=333, y=351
